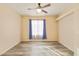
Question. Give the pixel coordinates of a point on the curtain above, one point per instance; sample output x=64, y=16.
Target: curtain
x=30, y=29
x=44, y=29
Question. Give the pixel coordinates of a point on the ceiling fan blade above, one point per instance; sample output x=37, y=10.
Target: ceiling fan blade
x=31, y=8
x=46, y=5
x=44, y=11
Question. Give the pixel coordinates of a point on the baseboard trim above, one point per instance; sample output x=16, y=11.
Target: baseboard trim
x=8, y=49
x=66, y=47
x=37, y=41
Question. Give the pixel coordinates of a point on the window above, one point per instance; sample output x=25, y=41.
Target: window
x=37, y=29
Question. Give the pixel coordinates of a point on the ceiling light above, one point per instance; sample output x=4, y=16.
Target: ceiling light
x=39, y=10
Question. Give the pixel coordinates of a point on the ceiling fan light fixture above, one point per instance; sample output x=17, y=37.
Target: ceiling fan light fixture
x=39, y=10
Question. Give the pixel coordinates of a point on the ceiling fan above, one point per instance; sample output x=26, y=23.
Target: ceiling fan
x=39, y=8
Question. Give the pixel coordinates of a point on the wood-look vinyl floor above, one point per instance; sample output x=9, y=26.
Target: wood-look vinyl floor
x=39, y=49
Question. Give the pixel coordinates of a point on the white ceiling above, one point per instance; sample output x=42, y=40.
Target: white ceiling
x=54, y=9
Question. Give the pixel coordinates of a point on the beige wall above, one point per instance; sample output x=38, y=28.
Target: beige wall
x=68, y=26
x=51, y=27
x=76, y=32
x=9, y=28
x=69, y=29
x=66, y=31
